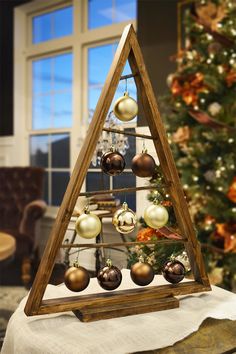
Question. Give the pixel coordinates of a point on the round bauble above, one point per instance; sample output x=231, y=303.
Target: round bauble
x=125, y=108
x=109, y=277
x=214, y=108
x=142, y=273
x=77, y=278
x=143, y=165
x=112, y=163
x=88, y=225
x=124, y=219
x=173, y=271
x=156, y=216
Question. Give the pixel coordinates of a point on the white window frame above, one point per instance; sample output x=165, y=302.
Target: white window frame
x=77, y=43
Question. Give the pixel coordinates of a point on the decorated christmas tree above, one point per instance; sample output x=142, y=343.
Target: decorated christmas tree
x=200, y=114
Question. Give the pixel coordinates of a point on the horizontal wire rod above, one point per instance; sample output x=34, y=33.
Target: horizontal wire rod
x=128, y=133
x=125, y=77
x=120, y=244
x=118, y=190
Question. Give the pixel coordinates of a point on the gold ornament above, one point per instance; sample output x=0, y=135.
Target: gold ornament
x=125, y=108
x=124, y=219
x=77, y=278
x=88, y=225
x=156, y=215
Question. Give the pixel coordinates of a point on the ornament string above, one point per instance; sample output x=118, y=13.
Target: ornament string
x=126, y=85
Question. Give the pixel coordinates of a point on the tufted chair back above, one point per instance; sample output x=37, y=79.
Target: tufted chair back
x=18, y=187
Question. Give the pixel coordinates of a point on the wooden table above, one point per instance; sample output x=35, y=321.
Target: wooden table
x=7, y=246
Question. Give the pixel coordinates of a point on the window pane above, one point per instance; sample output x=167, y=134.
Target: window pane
x=97, y=181
x=60, y=147
x=42, y=71
x=99, y=61
x=62, y=110
x=126, y=180
x=106, y=12
x=42, y=108
x=63, y=72
x=39, y=146
x=52, y=25
x=59, y=184
x=52, y=92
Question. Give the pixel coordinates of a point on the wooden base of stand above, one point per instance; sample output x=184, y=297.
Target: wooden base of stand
x=119, y=309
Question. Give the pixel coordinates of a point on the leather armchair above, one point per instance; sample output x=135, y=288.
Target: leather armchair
x=20, y=207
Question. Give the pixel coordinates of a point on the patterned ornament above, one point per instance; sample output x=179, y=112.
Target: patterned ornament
x=156, y=215
x=112, y=163
x=109, y=277
x=125, y=108
x=124, y=219
x=173, y=271
x=183, y=258
x=214, y=108
x=143, y=165
x=77, y=278
x=141, y=273
x=88, y=225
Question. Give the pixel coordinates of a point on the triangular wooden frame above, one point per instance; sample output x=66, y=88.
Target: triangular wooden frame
x=105, y=305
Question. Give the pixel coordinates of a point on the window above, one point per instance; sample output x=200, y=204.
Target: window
x=107, y=12
x=52, y=92
x=54, y=24
x=61, y=92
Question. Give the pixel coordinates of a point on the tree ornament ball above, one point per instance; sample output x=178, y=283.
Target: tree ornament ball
x=143, y=165
x=124, y=219
x=142, y=273
x=112, y=163
x=88, y=225
x=156, y=216
x=109, y=277
x=77, y=278
x=173, y=271
x=125, y=108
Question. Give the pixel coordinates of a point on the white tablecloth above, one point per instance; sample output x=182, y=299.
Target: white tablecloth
x=63, y=333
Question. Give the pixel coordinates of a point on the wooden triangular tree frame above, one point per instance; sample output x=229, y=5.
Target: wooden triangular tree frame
x=105, y=305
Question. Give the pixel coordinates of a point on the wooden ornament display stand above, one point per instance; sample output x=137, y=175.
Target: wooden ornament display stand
x=134, y=301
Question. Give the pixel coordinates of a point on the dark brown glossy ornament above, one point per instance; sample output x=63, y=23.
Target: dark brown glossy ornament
x=109, y=277
x=173, y=271
x=142, y=273
x=77, y=278
x=143, y=165
x=112, y=163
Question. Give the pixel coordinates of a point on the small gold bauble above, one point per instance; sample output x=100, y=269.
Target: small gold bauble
x=77, y=278
x=142, y=273
x=124, y=219
x=125, y=108
x=156, y=216
x=88, y=225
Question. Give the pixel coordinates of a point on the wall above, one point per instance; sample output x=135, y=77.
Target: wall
x=157, y=35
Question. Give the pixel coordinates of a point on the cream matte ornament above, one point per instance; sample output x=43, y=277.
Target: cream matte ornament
x=156, y=215
x=124, y=219
x=88, y=225
x=125, y=108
